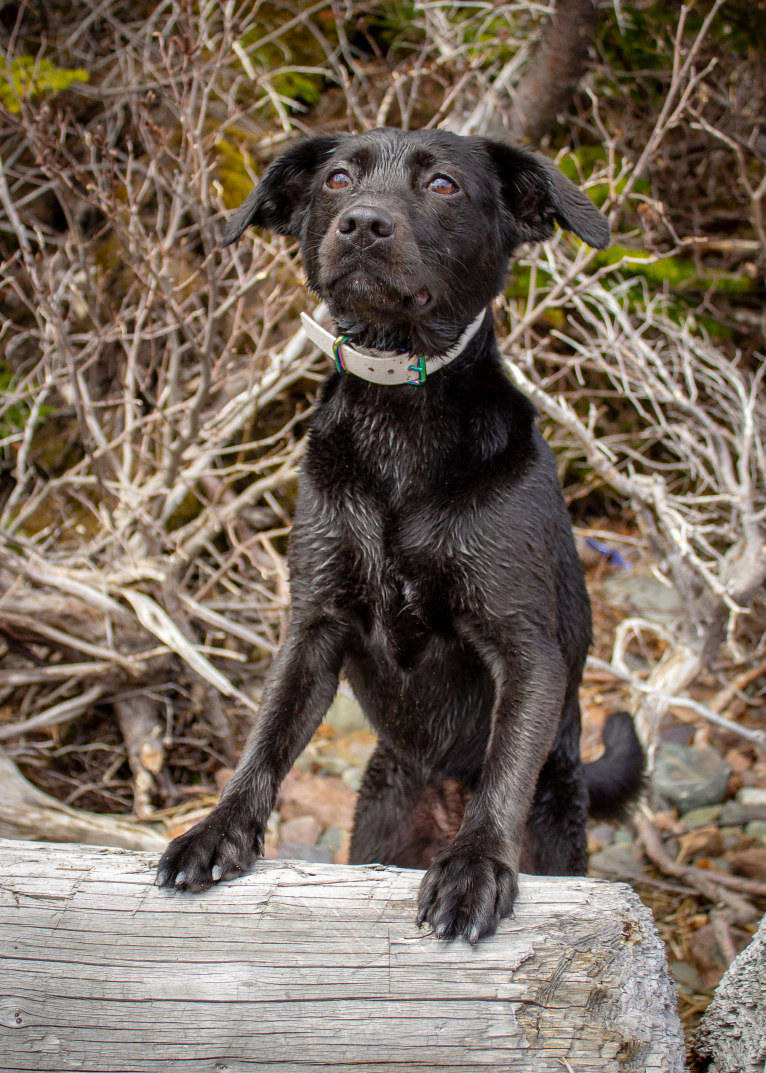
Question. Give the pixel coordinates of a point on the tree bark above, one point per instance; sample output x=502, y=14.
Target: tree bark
x=732, y=1034
x=300, y=967
x=556, y=67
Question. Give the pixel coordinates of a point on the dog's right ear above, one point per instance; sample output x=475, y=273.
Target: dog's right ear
x=279, y=198
x=535, y=194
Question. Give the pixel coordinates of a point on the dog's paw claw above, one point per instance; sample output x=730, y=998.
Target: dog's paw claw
x=213, y=850
x=466, y=894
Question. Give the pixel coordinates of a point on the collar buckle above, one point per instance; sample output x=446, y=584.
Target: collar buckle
x=419, y=370
x=336, y=352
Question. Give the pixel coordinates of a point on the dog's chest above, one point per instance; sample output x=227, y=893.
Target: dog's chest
x=398, y=582
x=403, y=493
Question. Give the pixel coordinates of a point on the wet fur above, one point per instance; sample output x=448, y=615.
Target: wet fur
x=431, y=556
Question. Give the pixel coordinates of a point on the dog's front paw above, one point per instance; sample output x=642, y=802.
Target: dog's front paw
x=466, y=893
x=214, y=849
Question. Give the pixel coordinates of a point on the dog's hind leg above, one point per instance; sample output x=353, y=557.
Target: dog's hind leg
x=554, y=838
x=401, y=819
x=384, y=810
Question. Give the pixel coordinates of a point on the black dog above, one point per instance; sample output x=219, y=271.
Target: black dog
x=431, y=557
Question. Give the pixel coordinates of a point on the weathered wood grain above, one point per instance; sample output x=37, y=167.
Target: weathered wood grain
x=302, y=967
x=732, y=1033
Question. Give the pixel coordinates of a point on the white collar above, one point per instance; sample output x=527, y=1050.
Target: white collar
x=385, y=366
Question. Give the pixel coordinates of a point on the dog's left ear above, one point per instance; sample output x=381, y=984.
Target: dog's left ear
x=535, y=194
x=279, y=198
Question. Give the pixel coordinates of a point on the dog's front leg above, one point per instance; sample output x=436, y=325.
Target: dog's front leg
x=301, y=687
x=472, y=885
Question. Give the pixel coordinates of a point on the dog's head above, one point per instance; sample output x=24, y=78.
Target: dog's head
x=407, y=235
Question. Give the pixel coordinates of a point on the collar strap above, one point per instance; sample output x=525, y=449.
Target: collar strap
x=385, y=366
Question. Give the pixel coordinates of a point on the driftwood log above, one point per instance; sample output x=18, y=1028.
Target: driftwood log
x=26, y=812
x=303, y=967
x=732, y=1034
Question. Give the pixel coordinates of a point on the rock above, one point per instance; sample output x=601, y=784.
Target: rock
x=345, y=715
x=690, y=778
x=600, y=836
x=302, y=831
x=349, y=750
x=756, y=775
x=738, y=761
x=615, y=862
x=750, y=796
x=686, y=977
x=750, y=862
x=732, y=838
x=646, y=594
x=352, y=777
x=341, y=854
x=757, y=829
x=749, y=805
x=332, y=839
x=701, y=817
x=290, y=851
x=733, y=814
x=706, y=956
x=327, y=798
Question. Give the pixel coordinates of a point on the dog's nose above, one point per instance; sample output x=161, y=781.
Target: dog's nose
x=364, y=225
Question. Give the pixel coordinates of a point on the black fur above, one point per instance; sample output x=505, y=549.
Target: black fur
x=431, y=557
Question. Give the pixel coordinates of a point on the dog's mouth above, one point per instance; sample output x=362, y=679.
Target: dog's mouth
x=357, y=292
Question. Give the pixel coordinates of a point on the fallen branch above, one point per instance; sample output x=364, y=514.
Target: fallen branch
x=26, y=812
x=707, y=712
x=713, y=885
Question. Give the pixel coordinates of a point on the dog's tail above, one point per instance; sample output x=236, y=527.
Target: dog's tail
x=617, y=777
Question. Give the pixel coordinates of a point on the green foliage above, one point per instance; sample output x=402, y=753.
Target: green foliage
x=741, y=27
x=639, y=47
x=390, y=27
x=301, y=88
x=14, y=417
x=31, y=76
x=232, y=170
x=490, y=42
x=580, y=164
x=294, y=50
x=677, y=276
x=642, y=41
x=675, y=273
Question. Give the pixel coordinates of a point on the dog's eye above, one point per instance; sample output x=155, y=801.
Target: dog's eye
x=338, y=180
x=442, y=184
